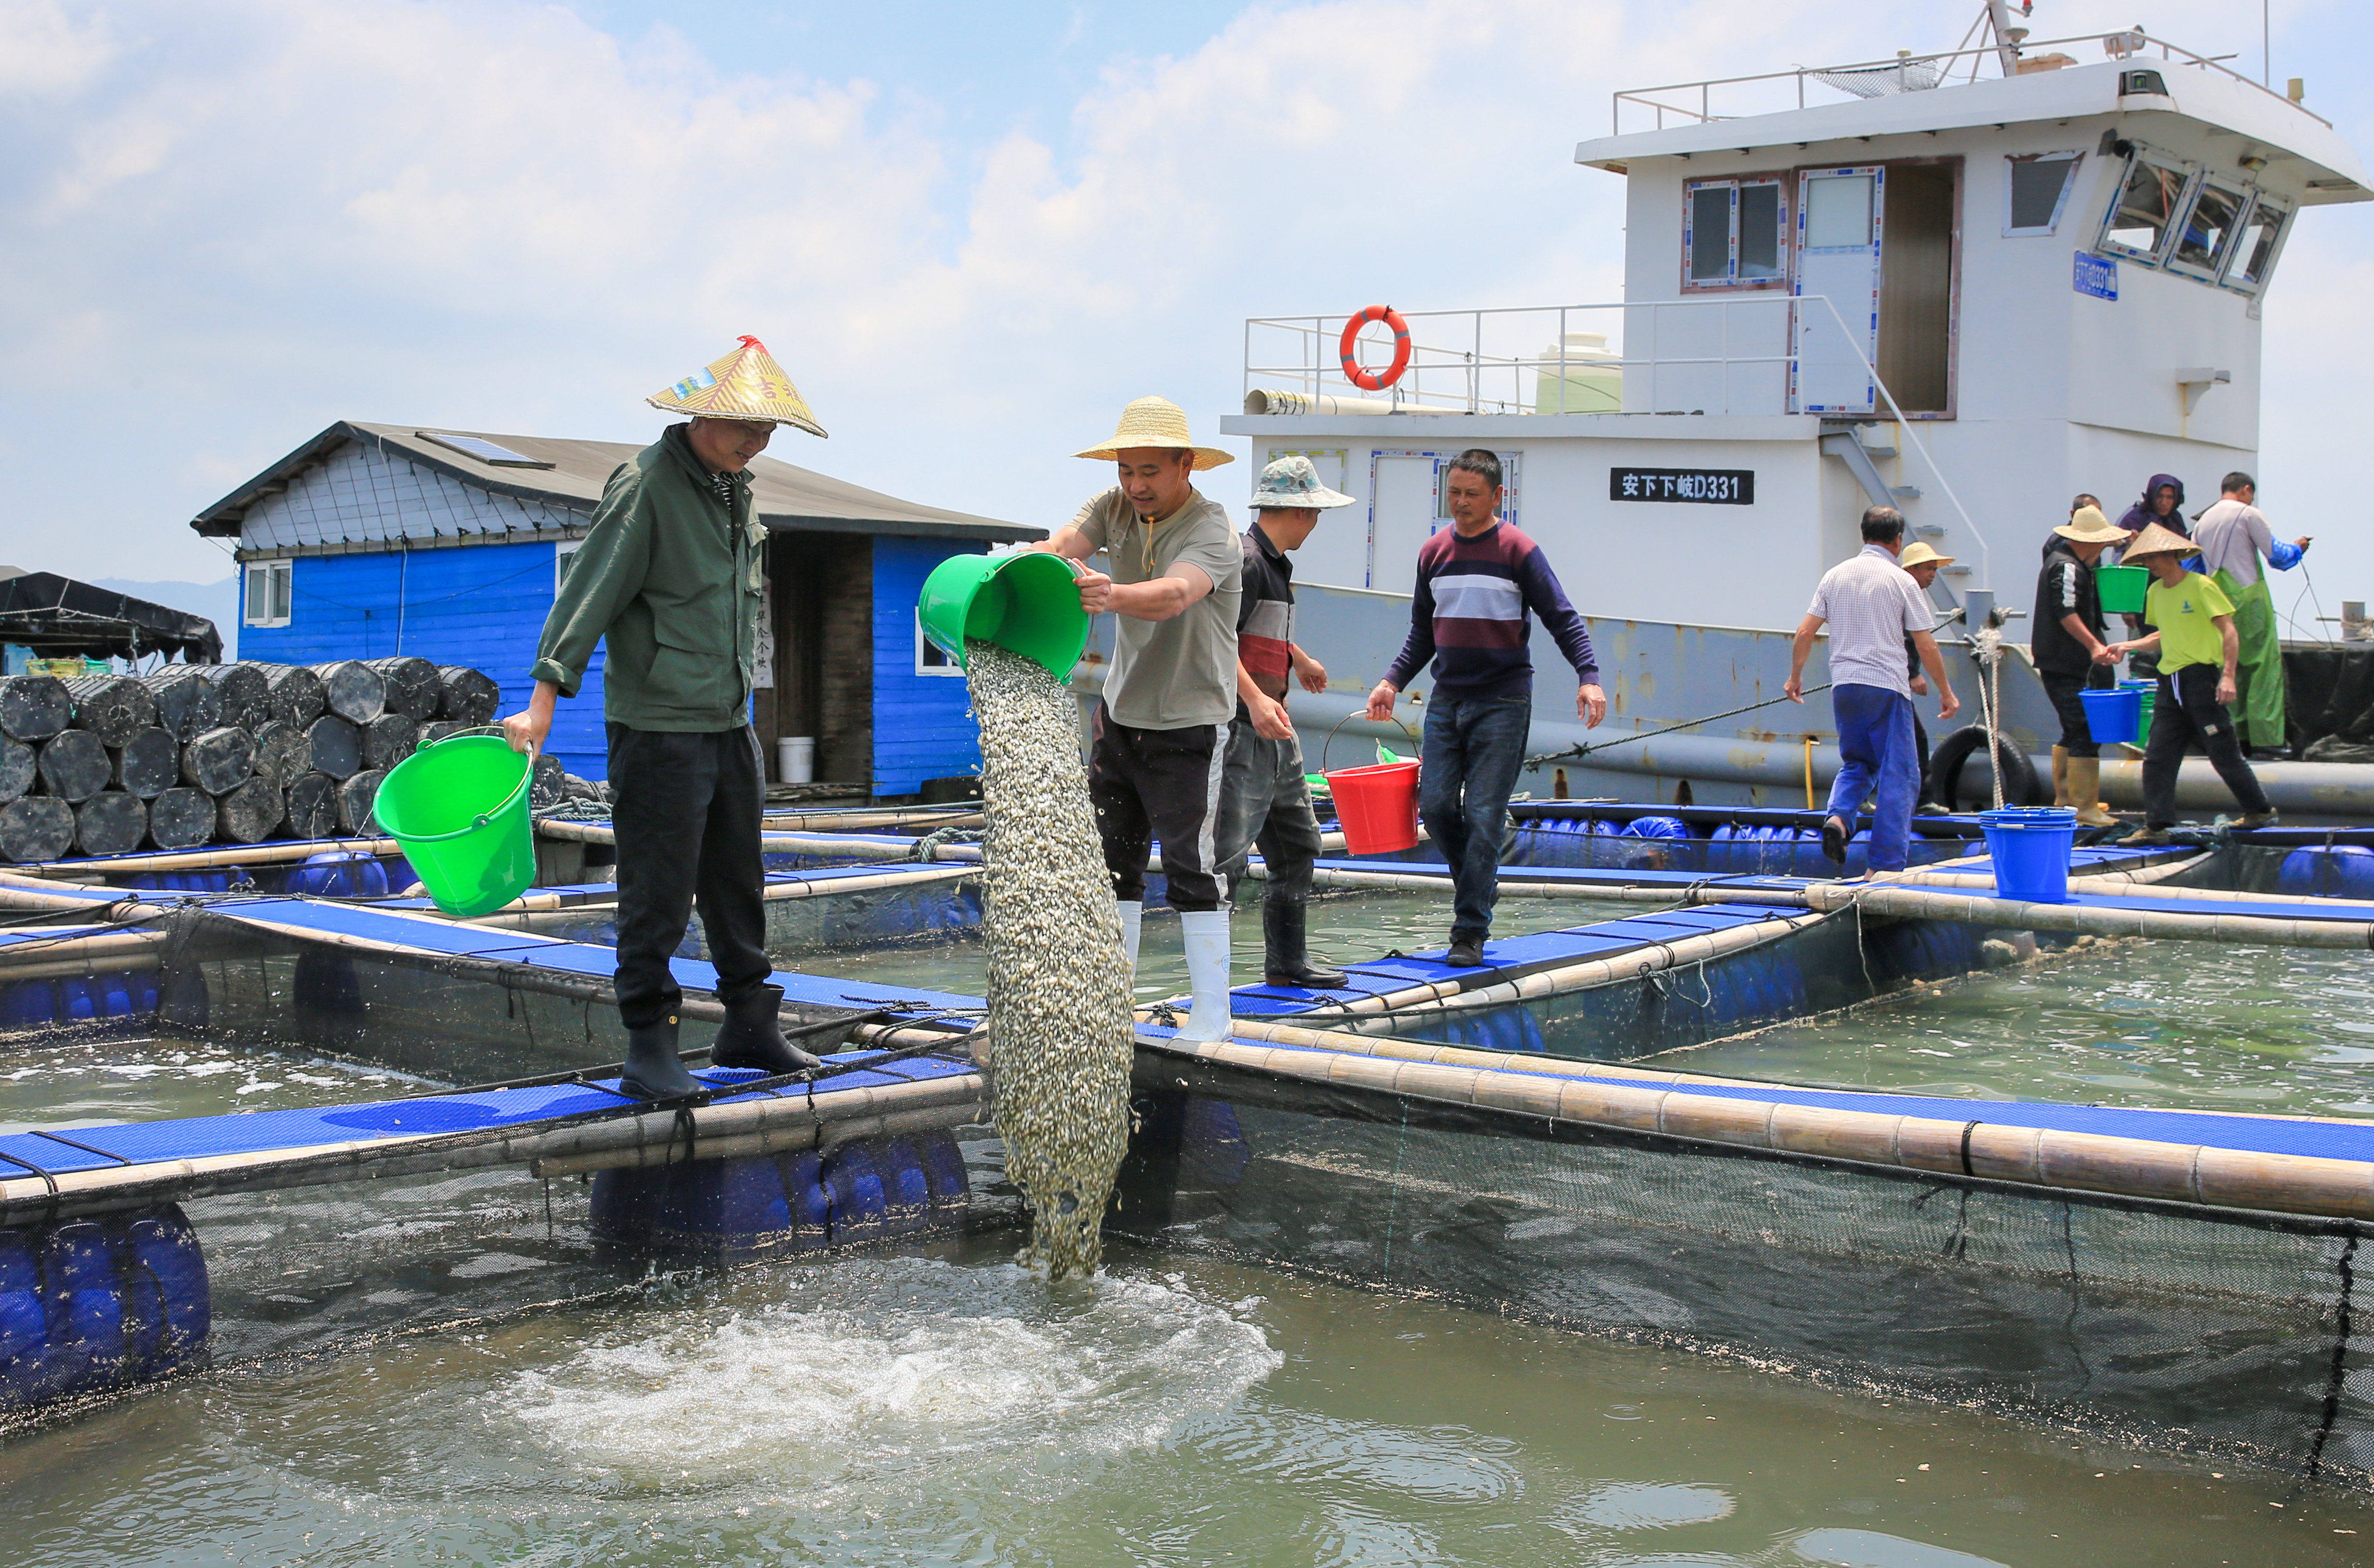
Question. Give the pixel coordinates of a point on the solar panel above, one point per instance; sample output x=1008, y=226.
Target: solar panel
x=485, y=450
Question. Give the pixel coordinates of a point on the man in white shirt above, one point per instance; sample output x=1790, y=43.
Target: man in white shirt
x=1871, y=606
x=2234, y=535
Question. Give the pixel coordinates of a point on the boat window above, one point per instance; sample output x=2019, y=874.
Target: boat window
x=2036, y=187
x=2257, y=238
x=1733, y=233
x=2148, y=201
x=2208, y=229
x=268, y=593
x=1838, y=212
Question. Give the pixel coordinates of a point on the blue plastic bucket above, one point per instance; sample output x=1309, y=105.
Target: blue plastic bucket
x=2029, y=846
x=2112, y=717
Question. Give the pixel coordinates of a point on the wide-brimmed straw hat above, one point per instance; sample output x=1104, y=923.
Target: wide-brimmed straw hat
x=746, y=384
x=1156, y=422
x=2087, y=526
x=2159, y=540
x=1292, y=483
x=1921, y=555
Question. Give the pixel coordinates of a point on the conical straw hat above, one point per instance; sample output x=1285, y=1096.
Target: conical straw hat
x=2159, y=540
x=1157, y=421
x=745, y=384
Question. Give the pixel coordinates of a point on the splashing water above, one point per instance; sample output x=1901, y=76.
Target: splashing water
x=1059, y=1002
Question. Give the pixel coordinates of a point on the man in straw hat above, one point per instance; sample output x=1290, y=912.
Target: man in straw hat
x=2193, y=624
x=671, y=577
x=1264, y=796
x=1921, y=564
x=1480, y=583
x=2072, y=654
x=1871, y=606
x=1161, y=732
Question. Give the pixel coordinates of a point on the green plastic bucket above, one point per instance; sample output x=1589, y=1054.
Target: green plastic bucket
x=2122, y=588
x=459, y=807
x=1028, y=602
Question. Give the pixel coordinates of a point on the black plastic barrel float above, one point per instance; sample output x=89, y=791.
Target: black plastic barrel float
x=389, y=739
x=283, y=753
x=355, y=799
x=111, y=823
x=219, y=760
x=19, y=766
x=353, y=690
x=36, y=827
x=180, y=818
x=466, y=696
x=75, y=765
x=187, y=703
x=240, y=691
x=312, y=806
x=111, y=707
x=87, y=1305
x=251, y=813
x=411, y=686
x=293, y=693
x=722, y=1211
x=34, y=708
x=148, y=763
x=334, y=747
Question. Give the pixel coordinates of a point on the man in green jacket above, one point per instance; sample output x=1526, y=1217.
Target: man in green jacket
x=673, y=574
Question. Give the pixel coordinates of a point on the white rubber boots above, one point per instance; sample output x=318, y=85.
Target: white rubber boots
x=1208, y=973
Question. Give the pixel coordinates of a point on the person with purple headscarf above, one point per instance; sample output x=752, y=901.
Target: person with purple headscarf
x=2162, y=503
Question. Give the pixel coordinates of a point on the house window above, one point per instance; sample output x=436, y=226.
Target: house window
x=2257, y=238
x=563, y=554
x=2143, y=216
x=1732, y=233
x=2036, y=190
x=930, y=659
x=268, y=593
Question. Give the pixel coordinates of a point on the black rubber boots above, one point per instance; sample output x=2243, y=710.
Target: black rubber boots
x=1287, y=944
x=752, y=1036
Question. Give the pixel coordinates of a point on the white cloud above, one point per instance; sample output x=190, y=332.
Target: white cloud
x=259, y=215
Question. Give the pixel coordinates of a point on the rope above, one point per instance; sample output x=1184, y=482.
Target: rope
x=1577, y=753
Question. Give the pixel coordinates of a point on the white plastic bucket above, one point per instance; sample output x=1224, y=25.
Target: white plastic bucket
x=795, y=757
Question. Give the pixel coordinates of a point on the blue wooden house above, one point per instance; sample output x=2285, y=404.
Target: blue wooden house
x=375, y=540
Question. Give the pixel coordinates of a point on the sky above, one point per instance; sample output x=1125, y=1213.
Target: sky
x=970, y=233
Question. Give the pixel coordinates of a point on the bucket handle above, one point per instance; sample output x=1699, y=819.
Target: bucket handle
x=489, y=815
x=1359, y=713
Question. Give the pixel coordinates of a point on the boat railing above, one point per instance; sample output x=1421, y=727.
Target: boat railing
x=1695, y=102
x=1735, y=354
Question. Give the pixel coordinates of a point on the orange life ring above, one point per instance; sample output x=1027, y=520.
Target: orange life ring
x=1369, y=380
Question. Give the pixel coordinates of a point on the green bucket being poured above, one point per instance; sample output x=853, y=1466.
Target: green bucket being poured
x=1027, y=602
x=459, y=807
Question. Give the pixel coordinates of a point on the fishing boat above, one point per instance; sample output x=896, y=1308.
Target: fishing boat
x=1968, y=284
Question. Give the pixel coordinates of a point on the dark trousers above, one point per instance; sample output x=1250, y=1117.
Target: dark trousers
x=1474, y=749
x=686, y=808
x=1266, y=800
x=2069, y=704
x=1146, y=784
x=2186, y=713
x=1876, y=759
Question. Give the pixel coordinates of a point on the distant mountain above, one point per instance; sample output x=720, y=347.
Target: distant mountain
x=218, y=602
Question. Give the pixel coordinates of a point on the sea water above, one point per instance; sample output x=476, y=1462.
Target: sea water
x=440, y=1370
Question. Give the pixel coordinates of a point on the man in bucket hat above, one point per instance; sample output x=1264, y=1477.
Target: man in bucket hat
x=1161, y=731
x=2193, y=631
x=2072, y=655
x=671, y=577
x=1263, y=797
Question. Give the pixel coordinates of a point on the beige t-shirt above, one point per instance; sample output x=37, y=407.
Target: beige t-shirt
x=1169, y=674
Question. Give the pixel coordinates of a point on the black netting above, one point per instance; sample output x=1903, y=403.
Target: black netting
x=2182, y=1328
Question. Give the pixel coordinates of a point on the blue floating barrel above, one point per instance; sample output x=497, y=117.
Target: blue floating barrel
x=808, y=1199
x=24, y=1324
x=2343, y=871
x=28, y=1004
x=943, y=1167
x=1212, y=1140
x=860, y=1208
x=906, y=1191
x=162, y=1246
x=76, y=1004
x=84, y=1306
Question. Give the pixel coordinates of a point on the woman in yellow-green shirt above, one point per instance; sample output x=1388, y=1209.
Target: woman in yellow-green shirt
x=2193, y=629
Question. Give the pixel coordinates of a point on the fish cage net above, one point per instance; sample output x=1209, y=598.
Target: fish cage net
x=2170, y=1326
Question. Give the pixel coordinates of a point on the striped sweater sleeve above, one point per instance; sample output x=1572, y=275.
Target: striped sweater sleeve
x=1547, y=600
x=1419, y=647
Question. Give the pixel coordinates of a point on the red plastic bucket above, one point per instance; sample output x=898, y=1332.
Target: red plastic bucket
x=1378, y=806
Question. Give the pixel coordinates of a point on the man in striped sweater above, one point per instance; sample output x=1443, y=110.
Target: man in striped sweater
x=1480, y=583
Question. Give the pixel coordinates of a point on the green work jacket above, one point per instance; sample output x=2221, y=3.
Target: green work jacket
x=673, y=577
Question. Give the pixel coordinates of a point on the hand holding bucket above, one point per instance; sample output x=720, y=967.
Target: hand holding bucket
x=459, y=806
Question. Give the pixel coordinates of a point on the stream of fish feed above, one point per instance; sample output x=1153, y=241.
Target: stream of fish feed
x=441, y=1370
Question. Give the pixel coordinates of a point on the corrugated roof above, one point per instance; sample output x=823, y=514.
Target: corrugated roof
x=786, y=496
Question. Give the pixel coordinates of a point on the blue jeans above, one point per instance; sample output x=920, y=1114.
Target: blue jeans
x=1875, y=739
x=1475, y=748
